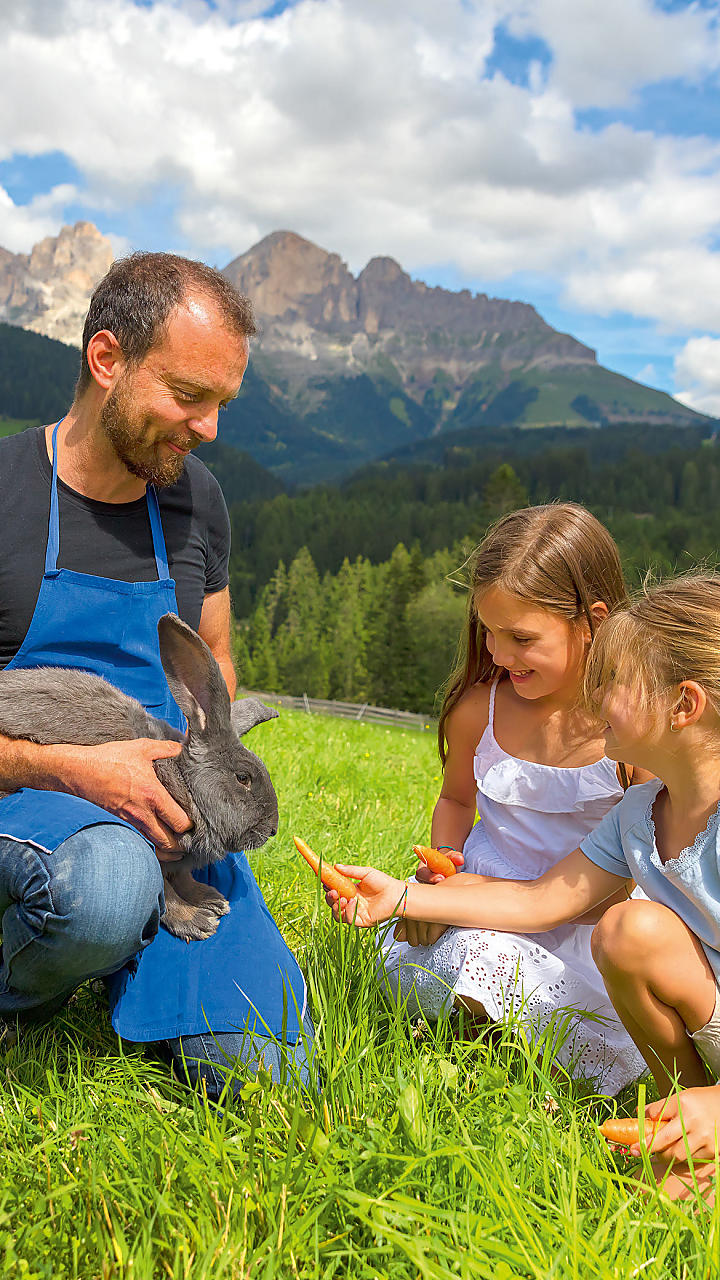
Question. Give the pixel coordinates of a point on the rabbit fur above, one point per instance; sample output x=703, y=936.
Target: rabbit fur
x=223, y=787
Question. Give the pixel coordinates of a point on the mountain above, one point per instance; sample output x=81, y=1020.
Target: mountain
x=350, y=368
x=37, y=375
x=440, y=360
x=48, y=289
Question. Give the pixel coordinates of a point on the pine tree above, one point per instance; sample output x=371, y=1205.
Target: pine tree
x=262, y=649
x=389, y=647
x=347, y=599
x=300, y=646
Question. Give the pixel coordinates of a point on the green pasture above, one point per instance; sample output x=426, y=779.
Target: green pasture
x=421, y=1155
x=10, y=426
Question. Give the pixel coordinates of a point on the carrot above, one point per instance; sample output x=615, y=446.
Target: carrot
x=627, y=1132
x=327, y=871
x=434, y=860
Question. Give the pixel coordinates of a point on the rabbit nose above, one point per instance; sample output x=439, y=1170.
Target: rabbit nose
x=273, y=831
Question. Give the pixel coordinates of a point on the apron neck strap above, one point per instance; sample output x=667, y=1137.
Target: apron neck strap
x=158, y=537
x=53, y=542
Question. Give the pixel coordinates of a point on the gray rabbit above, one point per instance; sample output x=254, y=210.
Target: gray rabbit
x=223, y=787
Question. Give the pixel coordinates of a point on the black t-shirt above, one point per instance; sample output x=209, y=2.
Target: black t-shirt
x=110, y=540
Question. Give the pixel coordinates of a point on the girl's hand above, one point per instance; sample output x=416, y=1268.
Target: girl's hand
x=379, y=897
x=419, y=933
x=425, y=933
x=700, y=1110
x=425, y=876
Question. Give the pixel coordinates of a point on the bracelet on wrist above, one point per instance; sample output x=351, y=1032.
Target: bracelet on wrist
x=402, y=907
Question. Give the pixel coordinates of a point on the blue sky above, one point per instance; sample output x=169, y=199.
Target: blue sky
x=568, y=155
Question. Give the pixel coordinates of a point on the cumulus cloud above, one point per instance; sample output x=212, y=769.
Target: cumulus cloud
x=373, y=128
x=697, y=373
x=21, y=226
x=603, y=53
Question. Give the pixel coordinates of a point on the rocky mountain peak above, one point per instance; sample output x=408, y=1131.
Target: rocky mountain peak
x=290, y=277
x=48, y=289
x=382, y=271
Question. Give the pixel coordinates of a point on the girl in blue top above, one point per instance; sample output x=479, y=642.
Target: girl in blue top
x=653, y=674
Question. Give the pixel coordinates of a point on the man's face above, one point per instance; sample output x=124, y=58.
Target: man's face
x=160, y=409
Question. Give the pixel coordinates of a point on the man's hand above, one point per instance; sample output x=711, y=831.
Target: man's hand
x=696, y=1135
x=119, y=777
x=379, y=897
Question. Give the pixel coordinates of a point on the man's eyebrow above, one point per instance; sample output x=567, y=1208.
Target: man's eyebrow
x=201, y=389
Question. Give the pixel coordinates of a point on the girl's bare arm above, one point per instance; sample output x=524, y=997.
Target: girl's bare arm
x=454, y=812
x=481, y=902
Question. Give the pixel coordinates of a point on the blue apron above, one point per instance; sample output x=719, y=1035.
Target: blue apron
x=244, y=974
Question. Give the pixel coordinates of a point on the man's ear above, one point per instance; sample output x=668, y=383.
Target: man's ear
x=105, y=358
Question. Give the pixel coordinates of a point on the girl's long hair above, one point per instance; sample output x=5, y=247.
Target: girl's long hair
x=558, y=557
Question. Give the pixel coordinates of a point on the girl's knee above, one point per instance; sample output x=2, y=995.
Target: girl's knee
x=628, y=933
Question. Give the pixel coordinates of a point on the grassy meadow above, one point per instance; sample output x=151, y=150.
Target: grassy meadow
x=422, y=1155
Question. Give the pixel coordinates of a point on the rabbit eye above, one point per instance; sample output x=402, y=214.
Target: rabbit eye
x=244, y=779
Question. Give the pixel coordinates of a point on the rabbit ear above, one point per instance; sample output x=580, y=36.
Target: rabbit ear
x=248, y=712
x=194, y=677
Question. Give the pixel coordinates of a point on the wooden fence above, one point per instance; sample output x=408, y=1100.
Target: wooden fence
x=348, y=710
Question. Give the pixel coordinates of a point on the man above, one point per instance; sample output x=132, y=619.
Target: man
x=108, y=522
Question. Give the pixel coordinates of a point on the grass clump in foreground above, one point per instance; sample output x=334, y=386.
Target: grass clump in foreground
x=422, y=1155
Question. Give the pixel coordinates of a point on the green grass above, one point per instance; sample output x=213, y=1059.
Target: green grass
x=423, y=1155
x=10, y=426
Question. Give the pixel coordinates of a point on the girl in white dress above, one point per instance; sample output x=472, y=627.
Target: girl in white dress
x=521, y=749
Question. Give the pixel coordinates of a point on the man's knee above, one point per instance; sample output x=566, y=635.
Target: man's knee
x=85, y=909
x=627, y=934
x=110, y=901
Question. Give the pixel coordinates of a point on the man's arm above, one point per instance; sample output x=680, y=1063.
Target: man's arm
x=117, y=776
x=214, y=629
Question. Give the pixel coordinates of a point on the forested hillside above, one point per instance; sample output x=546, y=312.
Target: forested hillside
x=37, y=375
x=345, y=592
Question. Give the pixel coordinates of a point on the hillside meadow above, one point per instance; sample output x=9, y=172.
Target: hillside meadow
x=421, y=1154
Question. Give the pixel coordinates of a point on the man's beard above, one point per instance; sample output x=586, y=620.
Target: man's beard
x=126, y=436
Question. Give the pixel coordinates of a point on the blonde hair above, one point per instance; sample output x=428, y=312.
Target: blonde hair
x=667, y=634
x=558, y=557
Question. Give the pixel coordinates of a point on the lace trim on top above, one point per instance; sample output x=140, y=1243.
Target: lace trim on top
x=544, y=787
x=687, y=856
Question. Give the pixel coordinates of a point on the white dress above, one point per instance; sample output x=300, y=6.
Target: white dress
x=532, y=815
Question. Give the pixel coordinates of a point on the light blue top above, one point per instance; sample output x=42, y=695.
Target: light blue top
x=624, y=843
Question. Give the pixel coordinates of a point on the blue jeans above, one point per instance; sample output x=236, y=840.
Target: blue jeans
x=211, y=1058
x=83, y=912
x=80, y=912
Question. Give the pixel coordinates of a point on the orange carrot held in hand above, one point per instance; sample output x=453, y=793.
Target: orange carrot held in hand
x=327, y=871
x=627, y=1132
x=434, y=860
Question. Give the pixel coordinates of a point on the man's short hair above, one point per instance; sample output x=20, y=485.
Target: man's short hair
x=138, y=294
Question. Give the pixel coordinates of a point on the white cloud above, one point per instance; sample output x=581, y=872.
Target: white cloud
x=603, y=53
x=697, y=368
x=369, y=128
x=21, y=226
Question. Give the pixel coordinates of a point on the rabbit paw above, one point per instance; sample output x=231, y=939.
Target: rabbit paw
x=196, y=924
x=196, y=914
